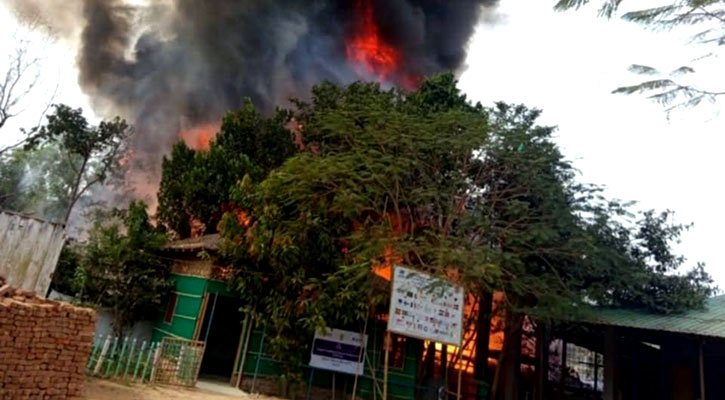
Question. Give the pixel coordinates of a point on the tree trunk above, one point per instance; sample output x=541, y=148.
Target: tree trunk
x=483, y=332
x=543, y=336
x=74, y=194
x=511, y=367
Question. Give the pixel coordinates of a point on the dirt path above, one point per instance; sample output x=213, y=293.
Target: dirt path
x=96, y=389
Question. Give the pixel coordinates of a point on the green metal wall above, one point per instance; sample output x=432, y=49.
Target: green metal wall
x=401, y=382
x=190, y=292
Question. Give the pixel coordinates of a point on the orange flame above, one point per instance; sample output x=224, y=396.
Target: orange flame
x=198, y=138
x=366, y=48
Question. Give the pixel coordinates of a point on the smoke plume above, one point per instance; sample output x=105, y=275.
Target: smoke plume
x=174, y=66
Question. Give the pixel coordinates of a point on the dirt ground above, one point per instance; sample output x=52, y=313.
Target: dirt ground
x=96, y=389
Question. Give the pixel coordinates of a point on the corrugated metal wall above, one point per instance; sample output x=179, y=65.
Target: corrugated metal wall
x=29, y=251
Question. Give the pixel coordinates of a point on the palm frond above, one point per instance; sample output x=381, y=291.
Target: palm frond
x=682, y=71
x=642, y=69
x=645, y=86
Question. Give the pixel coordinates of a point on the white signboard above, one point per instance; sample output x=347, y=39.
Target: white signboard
x=339, y=351
x=425, y=307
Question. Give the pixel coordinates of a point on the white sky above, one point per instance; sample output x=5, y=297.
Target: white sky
x=567, y=64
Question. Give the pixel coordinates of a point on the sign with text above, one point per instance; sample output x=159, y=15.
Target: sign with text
x=425, y=307
x=339, y=351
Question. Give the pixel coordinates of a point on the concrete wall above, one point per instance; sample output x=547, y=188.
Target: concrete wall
x=141, y=330
x=29, y=251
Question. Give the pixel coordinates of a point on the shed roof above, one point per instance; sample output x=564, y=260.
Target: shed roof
x=709, y=321
x=206, y=242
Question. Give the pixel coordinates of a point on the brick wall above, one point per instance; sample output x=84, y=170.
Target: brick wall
x=44, y=346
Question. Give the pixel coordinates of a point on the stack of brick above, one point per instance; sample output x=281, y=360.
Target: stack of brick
x=44, y=346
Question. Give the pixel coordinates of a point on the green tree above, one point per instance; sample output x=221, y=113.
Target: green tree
x=12, y=169
x=428, y=180
x=36, y=181
x=668, y=88
x=91, y=153
x=561, y=244
x=195, y=185
x=120, y=268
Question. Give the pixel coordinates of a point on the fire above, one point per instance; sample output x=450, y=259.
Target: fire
x=366, y=48
x=198, y=138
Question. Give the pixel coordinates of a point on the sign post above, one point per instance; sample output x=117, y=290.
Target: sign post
x=387, y=346
x=426, y=307
x=339, y=351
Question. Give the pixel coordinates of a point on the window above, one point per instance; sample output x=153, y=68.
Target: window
x=171, y=308
x=397, y=355
x=582, y=369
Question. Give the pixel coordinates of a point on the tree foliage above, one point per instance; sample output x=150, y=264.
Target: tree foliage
x=86, y=155
x=668, y=88
x=195, y=185
x=37, y=181
x=480, y=196
x=120, y=268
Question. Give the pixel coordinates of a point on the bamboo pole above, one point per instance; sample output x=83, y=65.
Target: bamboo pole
x=259, y=357
x=94, y=350
x=211, y=318
x=102, y=356
x=387, y=343
x=119, y=362
x=459, y=361
x=235, y=369
x=113, y=353
x=200, y=316
x=154, y=362
x=376, y=387
x=248, y=335
x=138, y=360
x=363, y=346
x=148, y=360
x=129, y=357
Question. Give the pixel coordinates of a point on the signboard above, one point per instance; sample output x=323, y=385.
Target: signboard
x=339, y=351
x=425, y=307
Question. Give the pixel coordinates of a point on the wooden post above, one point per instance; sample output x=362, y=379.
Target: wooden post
x=102, y=357
x=248, y=335
x=542, y=359
x=211, y=318
x=387, y=344
x=236, y=369
x=200, y=316
x=610, y=356
x=458, y=391
x=309, y=384
x=259, y=357
x=702, y=370
x=363, y=345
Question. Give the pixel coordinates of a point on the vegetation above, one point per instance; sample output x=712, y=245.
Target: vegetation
x=119, y=268
x=195, y=185
x=482, y=196
x=57, y=166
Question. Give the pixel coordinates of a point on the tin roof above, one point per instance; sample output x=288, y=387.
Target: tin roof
x=709, y=321
x=206, y=242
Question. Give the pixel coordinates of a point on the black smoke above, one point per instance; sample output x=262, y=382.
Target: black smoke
x=174, y=64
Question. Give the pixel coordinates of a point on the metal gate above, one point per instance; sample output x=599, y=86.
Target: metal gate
x=178, y=361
